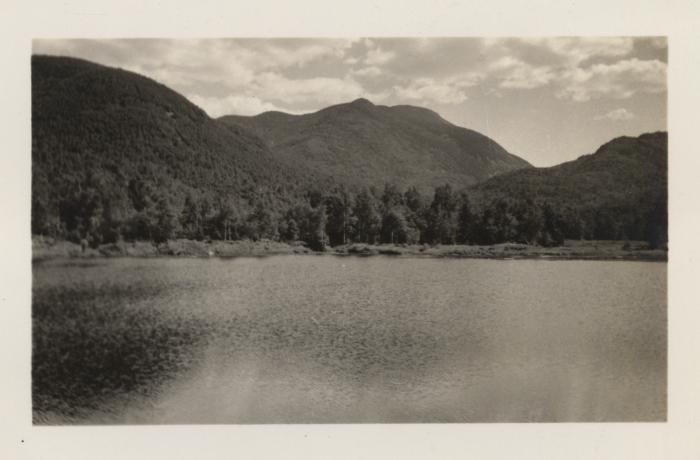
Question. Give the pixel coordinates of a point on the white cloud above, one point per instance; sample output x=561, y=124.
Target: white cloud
x=516, y=74
x=465, y=80
x=578, y=50
x=372, y=71
x=303, y=55
x=326, y=90
x=233, y=105
x=620, y=80
x=375, y=55
x=430, y=90
x=620, y=114
x=519, y=64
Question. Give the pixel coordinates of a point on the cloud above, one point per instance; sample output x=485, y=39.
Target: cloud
x=375, y=55
x=306, y=74
x=579, y=69
x=233, y=105
x=231, y=63
x=619, y=80
x=430, y=90
x=324, y=90
x=580, y=49
x=516, y=74
x=372, y=71
x=616, y=115
x=299, y=57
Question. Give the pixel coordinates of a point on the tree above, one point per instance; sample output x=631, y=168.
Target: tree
x=485, y=228
x=415, y=211
x=552, y=233
x=466, y=221
x=442, y=222
x=368, y=219
x=205, y=215
x=116, y=211
x=263, y=222
x=656, y=231
x=530, y=221
x=391, y=196
x=226, y=220
x=316, y=237
x=340, y=220
x=190, y=218
x=394, y=226
x=291, y=231
x=165, y=223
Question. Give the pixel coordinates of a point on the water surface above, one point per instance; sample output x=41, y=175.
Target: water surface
x=322, y=339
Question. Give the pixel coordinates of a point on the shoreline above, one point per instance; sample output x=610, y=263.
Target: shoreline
x=47, y=248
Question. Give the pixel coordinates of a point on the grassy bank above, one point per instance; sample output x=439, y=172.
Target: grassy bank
x=571, y=249
x=47, y=248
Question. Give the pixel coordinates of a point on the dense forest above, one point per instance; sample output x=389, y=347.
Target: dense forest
x=338, y=216
x=117, y=156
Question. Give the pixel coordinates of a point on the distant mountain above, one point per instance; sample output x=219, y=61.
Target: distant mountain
x=360, y=143
x=618, y=190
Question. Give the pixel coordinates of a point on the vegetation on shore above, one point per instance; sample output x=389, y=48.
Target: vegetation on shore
x=46, y=248
x=339, y=217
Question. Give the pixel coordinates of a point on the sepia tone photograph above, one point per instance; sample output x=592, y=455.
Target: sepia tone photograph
x=349, y=230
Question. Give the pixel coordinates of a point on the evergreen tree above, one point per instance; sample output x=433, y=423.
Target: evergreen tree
x=442, y=219
x=165, y=222
x=340, y=219
x=530, y=221
x=368, y=219
x=466, y=222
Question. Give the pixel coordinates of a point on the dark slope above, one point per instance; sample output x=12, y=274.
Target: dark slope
x=359, y=143
x=130, y=140
x=89, y=116
x=620, y=189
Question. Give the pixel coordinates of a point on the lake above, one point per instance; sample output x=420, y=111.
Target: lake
x=326, y=339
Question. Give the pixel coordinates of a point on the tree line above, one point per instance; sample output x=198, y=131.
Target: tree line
x=99, y=213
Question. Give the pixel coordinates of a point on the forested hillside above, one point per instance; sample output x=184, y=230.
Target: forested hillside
x=362, y=144
x=619, y=192
x=117, y=156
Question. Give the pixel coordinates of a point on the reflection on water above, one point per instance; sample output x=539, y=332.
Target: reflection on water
x=308, y=339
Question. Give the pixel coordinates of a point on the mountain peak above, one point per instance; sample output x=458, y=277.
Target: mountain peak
x=362, y=102
x=360, y=143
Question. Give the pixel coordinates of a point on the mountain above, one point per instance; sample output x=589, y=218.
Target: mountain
x=117, y=155
x=617, y=192
x=359, y=143
x=101, y=131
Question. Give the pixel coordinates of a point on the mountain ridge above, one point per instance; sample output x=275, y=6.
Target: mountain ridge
x=403, y=144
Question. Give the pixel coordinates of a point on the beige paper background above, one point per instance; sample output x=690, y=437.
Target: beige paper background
x=678, y=19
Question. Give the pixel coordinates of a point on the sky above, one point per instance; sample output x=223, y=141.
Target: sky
x=547, y=100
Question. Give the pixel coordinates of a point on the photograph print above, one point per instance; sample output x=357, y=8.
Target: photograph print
x=349, y=230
